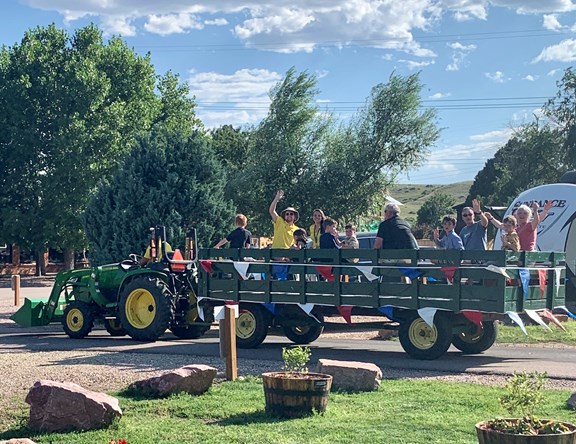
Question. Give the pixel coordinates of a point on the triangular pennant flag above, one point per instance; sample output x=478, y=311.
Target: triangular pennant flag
x=388, y=311
x=346, y=312
x=557, y=281
x=427, y=315
x=568, y=312
x=307, y=308
x=280, y=272
x=206, y=265
x=449, y=273
x=367, y=272
x=432, y=279
x=524, y=274
x=411, y=273
x=542, y=281
x=548, y=314
x=242, y=269
x=536, y=318
x=514, y=316
x=473, y=316
x=200, y=308
x=219, y=313
x=326, y=272
x=270, y=307
x=499, y=270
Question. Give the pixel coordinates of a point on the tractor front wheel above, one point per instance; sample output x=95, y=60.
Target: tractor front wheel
x=145, y=308
x=422, y=341
x=78, y=319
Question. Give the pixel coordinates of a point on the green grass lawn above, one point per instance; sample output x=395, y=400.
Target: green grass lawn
x=401, y=411
x=538, y=334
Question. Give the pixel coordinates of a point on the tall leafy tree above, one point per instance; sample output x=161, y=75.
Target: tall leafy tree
x=437, y=206
x=70, y=108
x=169, y=179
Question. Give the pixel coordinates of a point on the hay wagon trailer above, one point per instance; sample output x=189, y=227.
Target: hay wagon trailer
x=434, y=297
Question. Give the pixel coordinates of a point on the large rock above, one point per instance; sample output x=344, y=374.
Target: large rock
x=192, y=379
x=60, y=406
x=572, y=401
x=351, y=375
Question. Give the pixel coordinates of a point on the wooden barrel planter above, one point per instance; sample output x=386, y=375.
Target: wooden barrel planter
x=294, y=395
x=487, y=436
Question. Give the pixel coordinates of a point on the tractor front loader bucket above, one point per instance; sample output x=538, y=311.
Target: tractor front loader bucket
x=32, y=313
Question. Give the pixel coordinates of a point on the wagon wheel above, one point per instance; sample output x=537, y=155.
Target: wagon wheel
x=421, y=341
x=305, y=333
x=251, y=326
x=476, y=339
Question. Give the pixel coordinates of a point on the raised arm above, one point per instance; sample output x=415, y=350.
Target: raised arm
x=535, y=215
x=494, y=221
x=272, y=210
x=478, y=210
x=544, y=214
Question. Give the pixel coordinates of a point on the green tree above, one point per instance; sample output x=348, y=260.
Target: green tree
x=70, y=108
x=436, y=207
x=169, y=179
x=319, y=164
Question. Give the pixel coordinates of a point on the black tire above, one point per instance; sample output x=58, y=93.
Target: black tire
x=114, y=327
x=476, y=339
x=145, y=308
x=306, y=333
x=421, y=341
x=192, y=330
x=251, y=326
x=78, y=319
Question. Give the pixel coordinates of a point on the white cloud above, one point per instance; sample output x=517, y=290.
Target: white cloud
x=216, y=22
x=565, y=51
x=550, y=21
x=411, y=64
x=530, y=78
x=439, y=95
x=552, y=72
x=171, y=24
x=387, y=57
x=459, y=54
x=237, y=99
x=497, y=77
x=496, y=135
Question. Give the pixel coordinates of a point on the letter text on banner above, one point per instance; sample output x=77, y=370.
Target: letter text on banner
x=542, y=281
x=514, y=316
x=473, y=316
x=524, y=274
x=548, y=314
x=536, y=318
x=427, y=315
x=242, y=269
x=346, y=312
x=206, y=265
x=326, y=272
x=411, y=273
x=449, y=273
x=367, y=272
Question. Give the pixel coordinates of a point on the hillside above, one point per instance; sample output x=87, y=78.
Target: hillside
x=413, y=196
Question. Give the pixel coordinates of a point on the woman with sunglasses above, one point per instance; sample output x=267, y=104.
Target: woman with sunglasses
x=284, y=223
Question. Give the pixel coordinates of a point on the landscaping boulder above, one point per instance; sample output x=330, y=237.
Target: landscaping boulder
x=192, y=379
x=572, y=401
x=18, y=441
x=61, y=406
x=351, y=375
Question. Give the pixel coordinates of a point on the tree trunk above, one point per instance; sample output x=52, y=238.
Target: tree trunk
x=15, y=254
x=68, y=259
x=41, y=262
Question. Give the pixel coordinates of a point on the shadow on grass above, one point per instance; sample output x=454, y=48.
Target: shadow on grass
x=21, y=431
x=257, y=417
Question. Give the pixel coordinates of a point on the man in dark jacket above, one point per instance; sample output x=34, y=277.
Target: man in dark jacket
x=394, y=232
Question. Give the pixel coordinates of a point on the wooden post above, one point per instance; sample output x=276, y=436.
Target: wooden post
x=230, y=346
x=16, y=289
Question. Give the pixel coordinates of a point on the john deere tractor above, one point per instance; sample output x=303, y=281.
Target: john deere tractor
x=142, y=301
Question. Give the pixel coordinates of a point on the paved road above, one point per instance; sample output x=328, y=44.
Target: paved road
x=558, y=362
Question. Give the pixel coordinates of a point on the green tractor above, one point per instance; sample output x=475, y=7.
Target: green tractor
x=142, y=301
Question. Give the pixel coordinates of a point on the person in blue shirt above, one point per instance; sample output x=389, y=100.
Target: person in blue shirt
x=329, y=239
x=450, y=241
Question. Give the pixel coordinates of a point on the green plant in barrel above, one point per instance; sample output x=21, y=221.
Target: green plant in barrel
x=524, y=393
x=296, y=359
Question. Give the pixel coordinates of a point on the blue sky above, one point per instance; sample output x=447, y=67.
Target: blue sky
x=487, y=65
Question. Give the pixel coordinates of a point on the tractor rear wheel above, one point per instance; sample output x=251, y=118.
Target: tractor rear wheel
x=305, y=333
x=114, y=327
x=251, y=326
x=421, y=341
x=78, y=319
x=476, y=339
x=145, y=308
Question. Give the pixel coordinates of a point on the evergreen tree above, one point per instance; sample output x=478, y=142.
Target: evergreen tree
x=168, y=179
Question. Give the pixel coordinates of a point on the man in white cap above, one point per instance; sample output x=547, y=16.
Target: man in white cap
x=284, y=223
